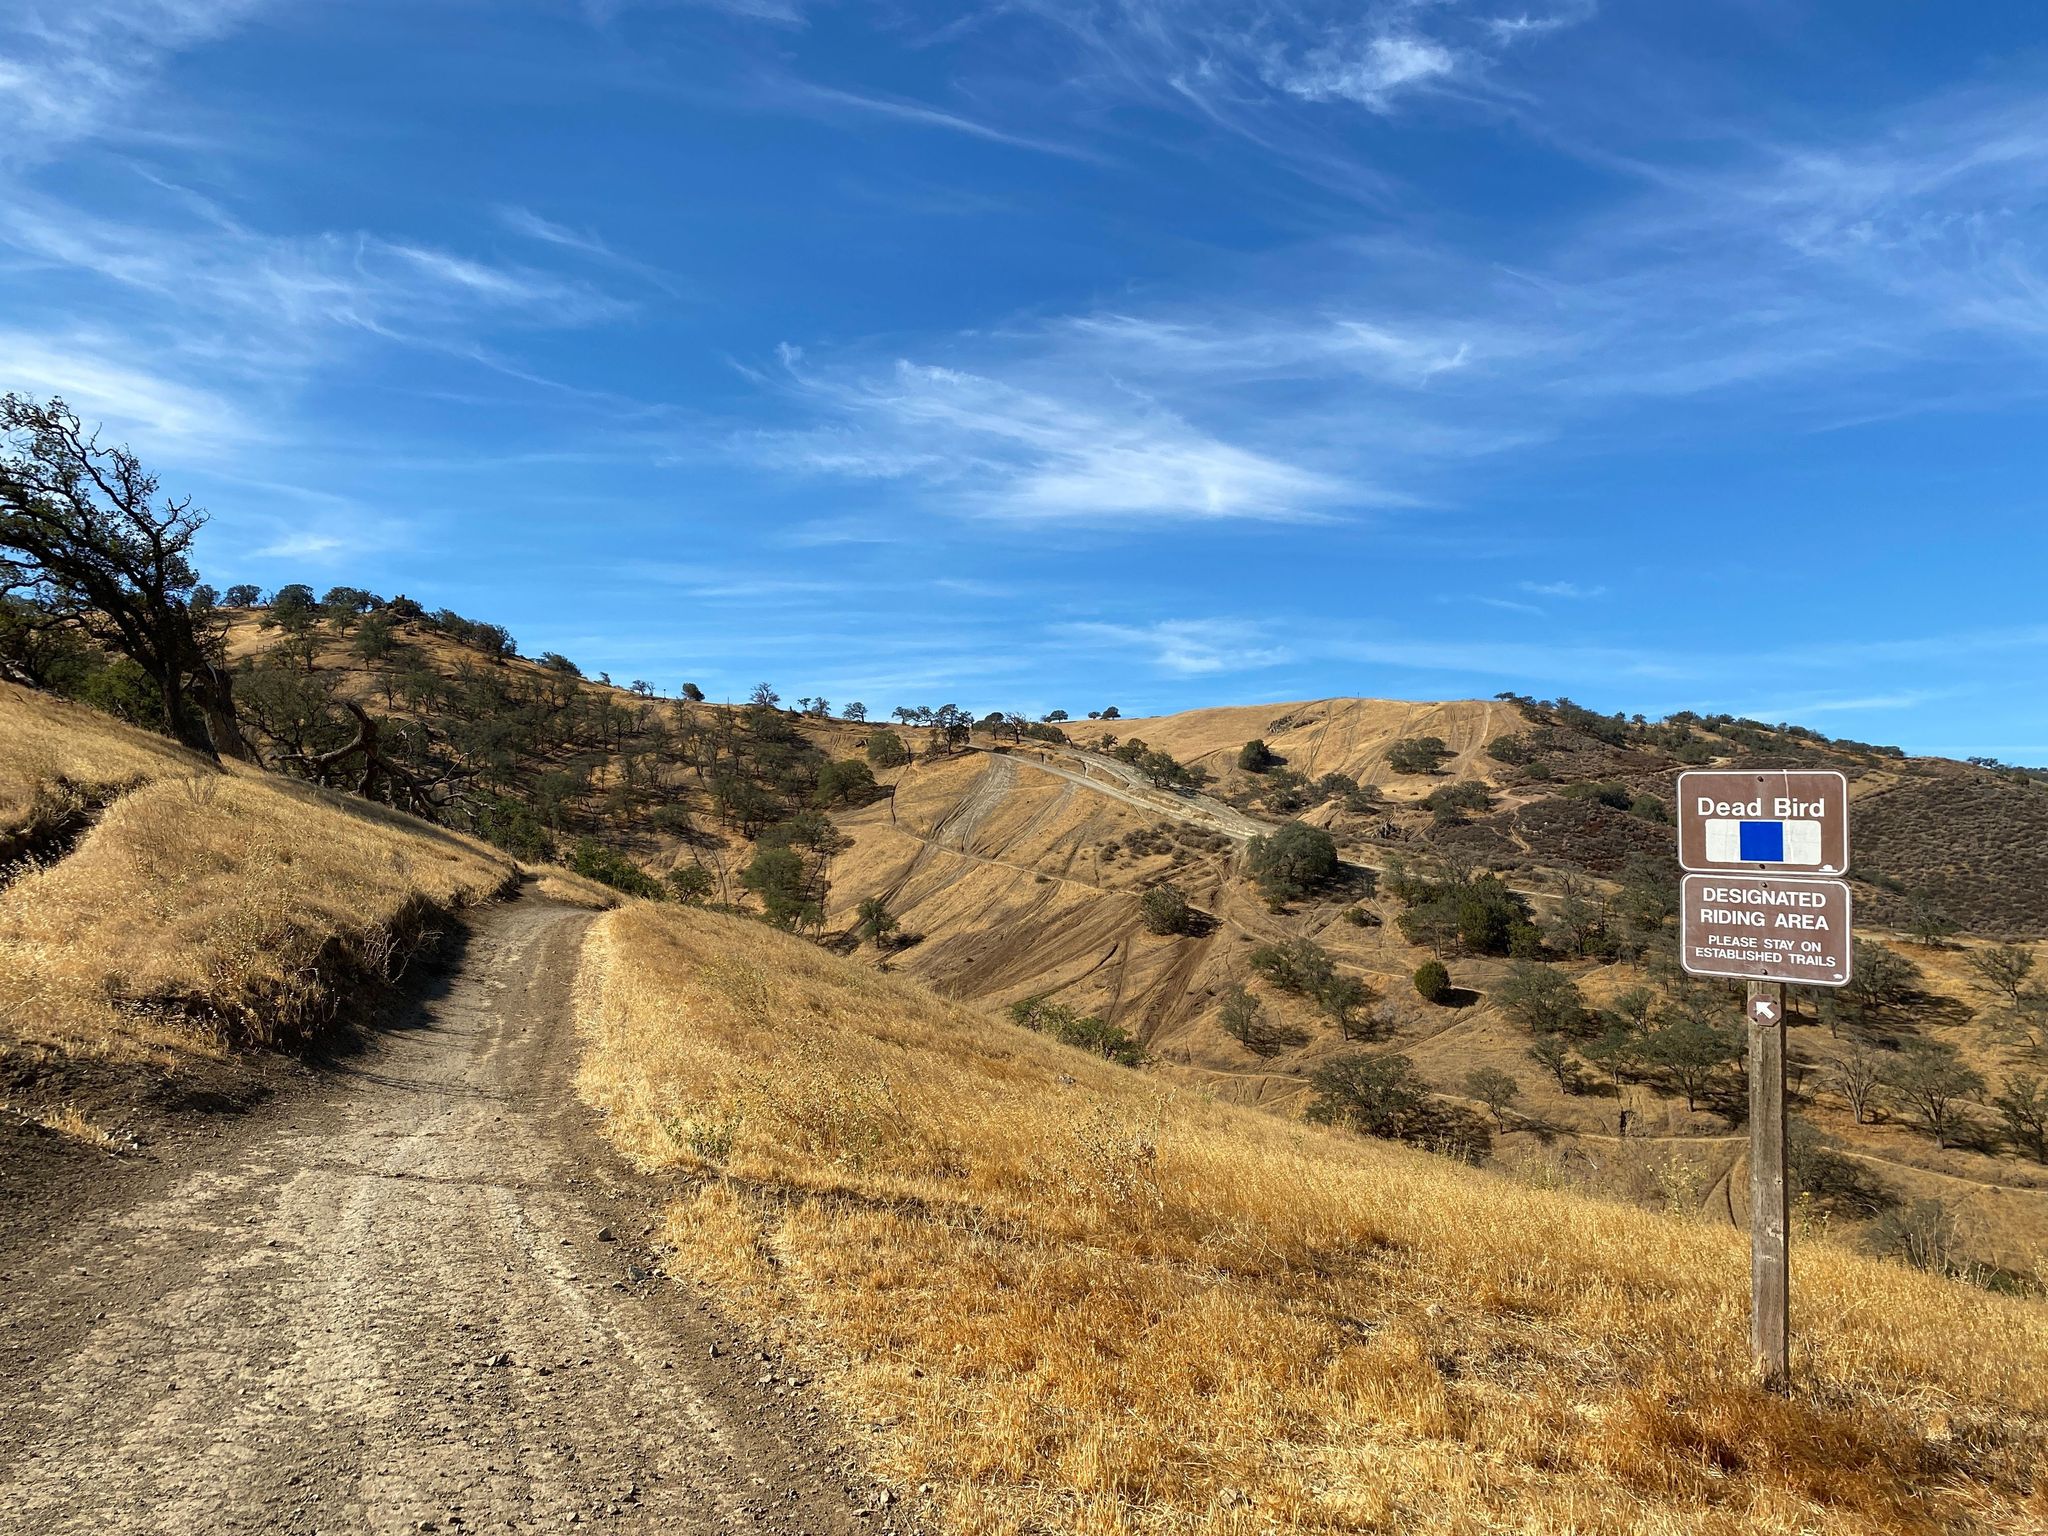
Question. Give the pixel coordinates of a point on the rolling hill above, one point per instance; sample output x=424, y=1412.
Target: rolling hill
x=1014, y=862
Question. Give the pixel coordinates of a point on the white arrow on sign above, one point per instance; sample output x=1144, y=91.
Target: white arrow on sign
x=1763, y=1010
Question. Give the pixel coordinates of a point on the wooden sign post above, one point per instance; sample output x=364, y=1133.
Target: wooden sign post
x=1750, y=910
x=1770, y=1207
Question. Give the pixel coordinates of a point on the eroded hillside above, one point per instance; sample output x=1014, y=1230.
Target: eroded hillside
x=1009, y=864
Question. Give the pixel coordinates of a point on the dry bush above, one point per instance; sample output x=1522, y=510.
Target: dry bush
x=1079, y=1301
x=204, y=906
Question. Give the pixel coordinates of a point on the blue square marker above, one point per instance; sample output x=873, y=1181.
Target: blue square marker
x=1763, y=842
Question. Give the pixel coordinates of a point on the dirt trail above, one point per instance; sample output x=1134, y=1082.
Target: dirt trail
x=418, y=1296
x=1120, y=781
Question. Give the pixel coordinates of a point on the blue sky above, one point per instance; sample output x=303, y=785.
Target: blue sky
x=1053, y=354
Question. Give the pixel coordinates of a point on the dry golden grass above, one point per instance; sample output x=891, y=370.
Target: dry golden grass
x=1081, y=1301
x=202, y=906
x=56, y=756
x=558, y=884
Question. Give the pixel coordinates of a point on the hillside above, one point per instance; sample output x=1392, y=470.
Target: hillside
x=1013, y=863
x=160, y=912
x=1070, y=1299
x=1047, y=1292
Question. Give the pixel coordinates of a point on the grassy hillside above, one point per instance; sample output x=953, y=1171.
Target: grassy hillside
x=163, y=909
x=1079, y=1299
x=1016, y=866
x=1319, y=736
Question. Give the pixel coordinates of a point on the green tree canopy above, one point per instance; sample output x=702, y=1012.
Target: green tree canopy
x=1294, y=861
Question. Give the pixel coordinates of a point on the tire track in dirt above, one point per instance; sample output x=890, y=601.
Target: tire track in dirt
x=418, y=1296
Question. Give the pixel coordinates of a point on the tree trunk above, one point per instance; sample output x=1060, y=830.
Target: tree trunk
x=214, y=691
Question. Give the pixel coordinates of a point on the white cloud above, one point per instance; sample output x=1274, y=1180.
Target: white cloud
x=71, y=69
x=830, y=100
x=1187, y=647
x=1372, y=73
x=96, y=380
x=239, y=314
x=524, y=221
x=1006, y=450
x=788, y=13
x=1572, y=590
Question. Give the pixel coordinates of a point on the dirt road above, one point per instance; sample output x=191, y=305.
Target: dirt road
x=1120, y=781
x=419, y=1296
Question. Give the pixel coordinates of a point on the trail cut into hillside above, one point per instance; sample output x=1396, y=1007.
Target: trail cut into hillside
x=423, y=1299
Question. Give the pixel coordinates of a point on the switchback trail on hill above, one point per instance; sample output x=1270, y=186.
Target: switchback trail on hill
x=419, y=1295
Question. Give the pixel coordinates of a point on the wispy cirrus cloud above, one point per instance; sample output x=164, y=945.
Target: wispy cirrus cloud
x=209, y=261
x=792, y=93
x=73, y=69
x=1185, y=647
x=99, y=376
x=231, y=317
x=787, y=13
x=1006, y=450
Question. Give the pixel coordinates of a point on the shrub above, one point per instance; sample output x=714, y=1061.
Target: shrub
x=1481, y=914
x=1375, y=1095
x=1295, y=965
x=516, y=828
x=1924, y=1234
x=689, y=882
x=1166, y=910
x=1542, y=1000
x=1255, y=757
x=1294, y=861
x=1449, y=806
x=1493, y=1088
x=1070, y=1026
x=1607, y=792
x=847, y=781
x=886, y=750
x=594, y=861
x=1417, y=754
x=1384, y=1096
x=1432, y=981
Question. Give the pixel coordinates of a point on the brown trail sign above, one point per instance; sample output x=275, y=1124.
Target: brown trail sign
x=1760, y=928
x=1767, y=822
x=1745, y=913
